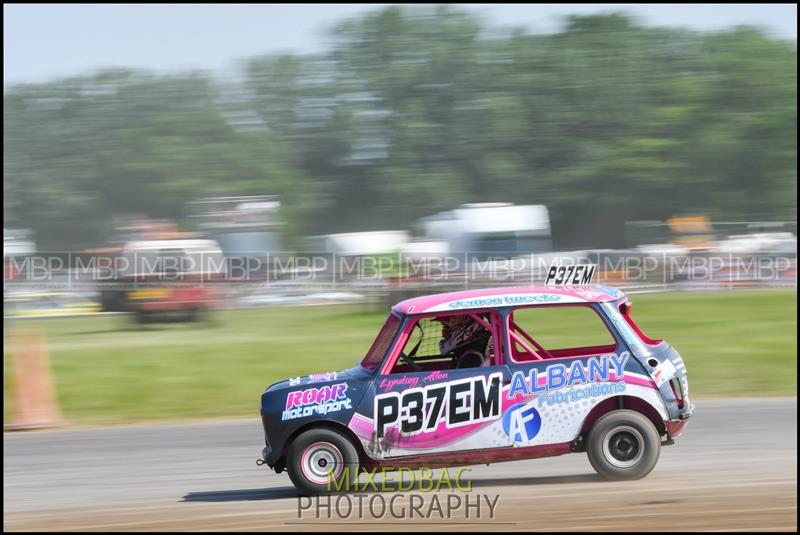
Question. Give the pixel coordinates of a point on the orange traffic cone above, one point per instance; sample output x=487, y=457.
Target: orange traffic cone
x=35, y=403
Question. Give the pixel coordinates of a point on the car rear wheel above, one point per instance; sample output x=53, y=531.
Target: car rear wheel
x=322, y=461
x=623, y=445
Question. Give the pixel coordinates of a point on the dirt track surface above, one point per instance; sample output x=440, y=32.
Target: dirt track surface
x=735, y=469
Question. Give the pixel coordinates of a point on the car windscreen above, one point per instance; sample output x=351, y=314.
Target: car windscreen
x=381, y=344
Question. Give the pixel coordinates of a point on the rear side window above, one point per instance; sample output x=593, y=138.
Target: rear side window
x=558, y=331
x=625, y=310
x=381, y=344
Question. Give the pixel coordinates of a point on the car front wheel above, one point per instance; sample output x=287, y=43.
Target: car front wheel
x=623, y=445
x=322, y=461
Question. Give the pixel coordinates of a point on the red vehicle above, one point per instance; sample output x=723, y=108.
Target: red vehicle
x=165, y=279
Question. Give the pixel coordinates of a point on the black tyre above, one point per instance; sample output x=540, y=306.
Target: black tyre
x=623, y=445
x=143, y=317
x=322, y=461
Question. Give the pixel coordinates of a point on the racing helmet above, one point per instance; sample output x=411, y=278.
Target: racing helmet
x=465, y=338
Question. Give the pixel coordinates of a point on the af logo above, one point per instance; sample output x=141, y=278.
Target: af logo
x=522, y=422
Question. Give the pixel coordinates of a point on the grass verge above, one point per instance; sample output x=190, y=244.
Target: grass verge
x=109, y=369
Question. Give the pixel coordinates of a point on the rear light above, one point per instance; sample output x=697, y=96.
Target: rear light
x=675, y=383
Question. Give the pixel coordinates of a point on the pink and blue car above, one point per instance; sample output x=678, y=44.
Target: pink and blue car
x=486, y=376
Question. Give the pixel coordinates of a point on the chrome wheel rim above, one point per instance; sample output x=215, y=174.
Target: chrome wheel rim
x=322, y=462
x=623, y=446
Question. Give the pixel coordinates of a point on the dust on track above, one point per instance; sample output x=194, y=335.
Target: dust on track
x=735, y=469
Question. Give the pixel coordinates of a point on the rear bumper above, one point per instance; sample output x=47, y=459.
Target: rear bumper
x=675, y=427
x=172, y=306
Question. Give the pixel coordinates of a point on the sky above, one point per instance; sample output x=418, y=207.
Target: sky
x=43, y=42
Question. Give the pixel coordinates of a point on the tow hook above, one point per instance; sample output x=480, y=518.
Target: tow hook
x=260, y=462
x=577, y=445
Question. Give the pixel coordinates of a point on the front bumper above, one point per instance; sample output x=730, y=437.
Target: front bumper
x=271, y=453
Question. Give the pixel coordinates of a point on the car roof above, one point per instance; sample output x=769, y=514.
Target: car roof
x=210, y=246
x=508, y=296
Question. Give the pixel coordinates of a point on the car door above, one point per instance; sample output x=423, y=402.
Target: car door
x=422, y=404
x=564, y=360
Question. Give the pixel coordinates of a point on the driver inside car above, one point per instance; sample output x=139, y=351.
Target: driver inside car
x=466, y=340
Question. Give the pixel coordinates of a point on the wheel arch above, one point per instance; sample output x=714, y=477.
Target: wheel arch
x=323, y=424
x=632, y=403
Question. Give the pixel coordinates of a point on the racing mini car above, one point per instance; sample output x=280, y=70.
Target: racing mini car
x=484, y=376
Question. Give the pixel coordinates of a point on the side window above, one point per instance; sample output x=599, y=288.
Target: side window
x=625, y=310
x=171, y=261
x=558, y=331
x=447, y=342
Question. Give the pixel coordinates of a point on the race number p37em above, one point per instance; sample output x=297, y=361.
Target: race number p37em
x=567, y=275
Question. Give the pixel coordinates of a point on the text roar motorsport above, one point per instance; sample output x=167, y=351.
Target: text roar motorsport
x=478, y=399
x=322, y=400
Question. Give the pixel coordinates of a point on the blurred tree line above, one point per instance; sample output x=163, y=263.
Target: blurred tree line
x=413, y=111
